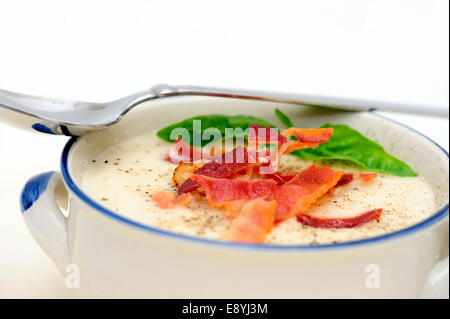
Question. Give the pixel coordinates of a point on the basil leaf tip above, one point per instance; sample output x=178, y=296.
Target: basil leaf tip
x=284, y=118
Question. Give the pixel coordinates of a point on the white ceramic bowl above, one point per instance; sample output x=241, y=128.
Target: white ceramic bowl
x=118, y=257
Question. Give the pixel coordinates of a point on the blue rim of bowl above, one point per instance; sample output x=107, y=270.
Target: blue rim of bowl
x=440, y=214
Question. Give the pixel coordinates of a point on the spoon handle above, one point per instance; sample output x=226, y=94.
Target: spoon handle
x=315, y=100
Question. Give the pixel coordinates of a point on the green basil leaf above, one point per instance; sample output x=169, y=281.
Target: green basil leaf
x=217, y=121
x=284, y=118
x=350, y=145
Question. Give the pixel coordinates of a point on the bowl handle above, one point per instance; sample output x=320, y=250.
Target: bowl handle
x=436, y=285
x=44, y=218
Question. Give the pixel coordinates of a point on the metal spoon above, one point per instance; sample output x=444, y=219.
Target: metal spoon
x=74, y=118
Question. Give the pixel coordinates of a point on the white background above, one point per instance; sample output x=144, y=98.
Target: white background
x=101, y=50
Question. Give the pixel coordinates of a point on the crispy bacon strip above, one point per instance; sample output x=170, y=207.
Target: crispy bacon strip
x=167, y=200
x=306, y=138
x=280, y=178
x=253, y=223
x=310, y=135
x=182, y=152
x=345, y=180
x=265, y=135
x=267, y=161
x=183, y=172
x=292, y=146
x=340, y=222
x=229, y=164
x=233, y=209
x=220, y=190
x=366, y=178
x=233, y=194
x=302, y=191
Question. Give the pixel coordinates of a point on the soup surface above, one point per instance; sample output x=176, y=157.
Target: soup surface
x=124, y=177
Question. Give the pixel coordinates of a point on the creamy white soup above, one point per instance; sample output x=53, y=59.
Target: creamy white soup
x=124, y=177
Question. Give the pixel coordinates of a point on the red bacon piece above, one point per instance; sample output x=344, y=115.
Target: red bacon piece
x=228, y=165
x=280, y=178
x=349, y=222
x=345, y=179
x=366, y=178
x=167, y=200
x=303, y=190
x=310, y=135
x=306, y=138
x=265, y=135
x=222, y=190
x=314, y=135
x=253, y=223
x=267, y=161
x=182, y=152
